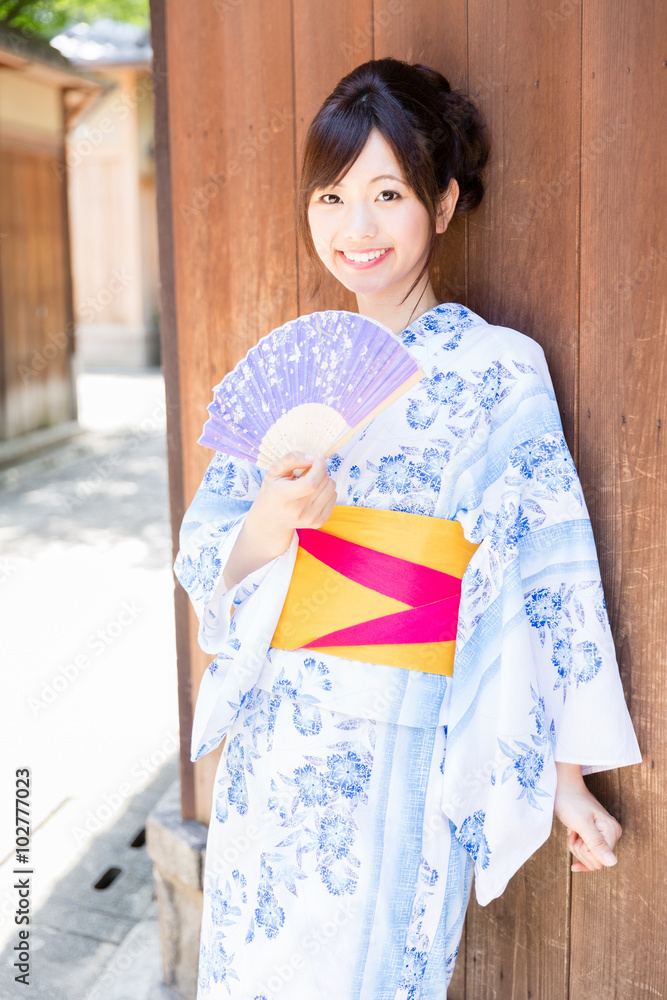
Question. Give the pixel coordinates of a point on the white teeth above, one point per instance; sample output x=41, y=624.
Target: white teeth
x=364, y=257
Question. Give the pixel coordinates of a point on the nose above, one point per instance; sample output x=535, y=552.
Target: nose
x=359, y=223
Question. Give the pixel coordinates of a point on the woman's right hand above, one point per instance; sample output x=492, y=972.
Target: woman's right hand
x=284, y=502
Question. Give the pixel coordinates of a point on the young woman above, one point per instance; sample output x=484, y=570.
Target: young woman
x=361, y=786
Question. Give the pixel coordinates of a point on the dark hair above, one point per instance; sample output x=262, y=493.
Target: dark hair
x=436, y=133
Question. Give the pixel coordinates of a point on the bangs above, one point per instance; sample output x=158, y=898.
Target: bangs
x=340, y=132
x=335, y=146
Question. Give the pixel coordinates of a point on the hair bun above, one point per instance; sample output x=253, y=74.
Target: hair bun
x=435, y=78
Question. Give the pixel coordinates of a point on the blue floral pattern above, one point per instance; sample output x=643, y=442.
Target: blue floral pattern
x=557, y=615
x=471, y=835
x=223, y=903
x=418, y=943
x=315, y=804
x=312, y=741
x=528, y=761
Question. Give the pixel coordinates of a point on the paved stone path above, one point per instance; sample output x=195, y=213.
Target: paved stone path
x=89, y=691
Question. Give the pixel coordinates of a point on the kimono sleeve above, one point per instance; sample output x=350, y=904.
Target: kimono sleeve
x=536, y=678
x=235, y=624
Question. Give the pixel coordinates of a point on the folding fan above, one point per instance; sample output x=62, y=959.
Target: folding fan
x=308, y=386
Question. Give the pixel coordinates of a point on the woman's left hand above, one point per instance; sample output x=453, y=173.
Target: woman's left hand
x=592, y=831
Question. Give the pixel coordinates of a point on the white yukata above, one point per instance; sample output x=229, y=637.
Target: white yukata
x=353, y=801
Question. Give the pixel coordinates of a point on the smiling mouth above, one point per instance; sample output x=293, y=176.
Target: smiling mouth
x=363, y=257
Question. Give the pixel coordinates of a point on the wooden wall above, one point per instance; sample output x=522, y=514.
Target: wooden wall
x=36, y=331
x=569, y=247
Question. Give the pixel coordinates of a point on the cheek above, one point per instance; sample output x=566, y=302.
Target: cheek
x=316, y=231
x=415, y=227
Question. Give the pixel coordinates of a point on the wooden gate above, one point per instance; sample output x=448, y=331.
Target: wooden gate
x=568, y=247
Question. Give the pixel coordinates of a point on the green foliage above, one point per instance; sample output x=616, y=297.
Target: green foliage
x=46, y=18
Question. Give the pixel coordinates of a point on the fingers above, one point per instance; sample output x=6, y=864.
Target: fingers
x=303, y=501
x=320, y=505
x=286, y=464
x=585, y=862
x=593, y=844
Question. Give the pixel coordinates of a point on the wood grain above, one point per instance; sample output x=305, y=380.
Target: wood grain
x=231, y=140
x=569, y=248
x=523, y=274
x=329, y=41
x=618, y=936
x=37, y=384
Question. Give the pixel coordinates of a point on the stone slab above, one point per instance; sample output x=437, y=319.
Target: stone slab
x=177, y=846
x=69, y=917
x=134, y=972
x=62, y=966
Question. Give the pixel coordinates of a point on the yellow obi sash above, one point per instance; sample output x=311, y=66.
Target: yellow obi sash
x=381, y=586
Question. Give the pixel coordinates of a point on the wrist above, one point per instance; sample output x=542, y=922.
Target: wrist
x=273, y=538
x=568, y=774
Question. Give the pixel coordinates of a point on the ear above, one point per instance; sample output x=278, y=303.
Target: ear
x=447, y=205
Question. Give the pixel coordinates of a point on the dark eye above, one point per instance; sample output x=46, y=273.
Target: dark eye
x=325, y=196
x=394, y=195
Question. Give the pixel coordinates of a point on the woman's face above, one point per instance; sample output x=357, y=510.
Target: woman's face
x=372, y=211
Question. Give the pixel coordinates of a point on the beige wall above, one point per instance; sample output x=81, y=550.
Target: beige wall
x=28, y=104
x=111, y=194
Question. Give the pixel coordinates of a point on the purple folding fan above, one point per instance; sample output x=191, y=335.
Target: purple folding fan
x=308, y=386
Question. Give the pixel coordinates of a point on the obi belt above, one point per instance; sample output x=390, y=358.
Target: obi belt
x=381, y=586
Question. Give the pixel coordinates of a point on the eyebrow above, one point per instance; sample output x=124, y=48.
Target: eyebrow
x=388, y=177
x=382, y=177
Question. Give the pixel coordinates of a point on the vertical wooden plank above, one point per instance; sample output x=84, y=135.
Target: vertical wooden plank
x=231, y=129
x=434, y=32
x=39, y=389
x=329, y=41
x=65, y=327
x=524, y=242
x=4, y=211
x=170, y=368
x=522, y=274
x=619, y=915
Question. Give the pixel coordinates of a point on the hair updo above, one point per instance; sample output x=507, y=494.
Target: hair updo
x=436, y=133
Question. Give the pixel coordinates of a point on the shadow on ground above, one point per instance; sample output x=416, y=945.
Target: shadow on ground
x=75, y=934
x=99, y=488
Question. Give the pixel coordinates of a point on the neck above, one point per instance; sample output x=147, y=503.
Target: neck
x=397, y=316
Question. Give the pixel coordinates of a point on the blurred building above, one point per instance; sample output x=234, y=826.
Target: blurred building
x=112, y=199
x=41, y=95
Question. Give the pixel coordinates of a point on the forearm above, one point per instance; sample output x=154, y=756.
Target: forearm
x=254, y=547
x=569, y=774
